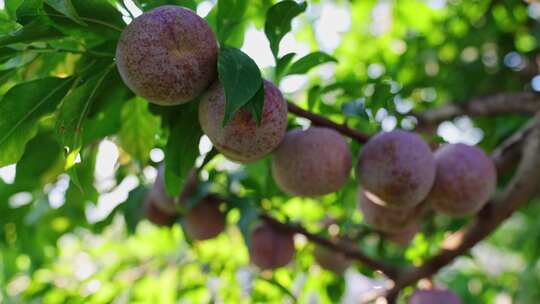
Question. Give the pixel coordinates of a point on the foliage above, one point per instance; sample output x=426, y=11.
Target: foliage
x=71, y=228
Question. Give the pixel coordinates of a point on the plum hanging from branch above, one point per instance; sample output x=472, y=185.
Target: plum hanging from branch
x=312, y=162
x=241, y=139
x=466, y=178
x=397, y=167
x=167, y=55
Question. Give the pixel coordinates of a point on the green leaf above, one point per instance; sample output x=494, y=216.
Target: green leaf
x=182, y=147
x=306, y=63
x=37, y=30
x=240, y=77
x=139, y=128
x=278, y=21
x=66, y=7
x=256, y=105
x=7, y=53
x=282, y=65
x=21, y=108
x=29, y=10
x=75, y=108
x=42, y=153
x=103, y=19
x=229, y=16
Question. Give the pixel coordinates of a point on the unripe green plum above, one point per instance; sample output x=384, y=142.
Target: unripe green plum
x=205, y=220
x=331, y=260
x=434, y=296
x=384, y=219
x=241, y=139
x=311, y=162
x=155, y=215
x=398, y=167
x=466, y=178
x=167, y=55
x=271, y=248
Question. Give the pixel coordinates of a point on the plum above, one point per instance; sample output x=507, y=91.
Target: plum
x=312, y=162
x=241, y=139
x=398, y=167
x=271, y=248
x=466, y=178
x=205, y=220
x=167, y=55
x=384, y=219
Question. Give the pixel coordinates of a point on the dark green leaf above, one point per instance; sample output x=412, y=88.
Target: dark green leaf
x=66, y=7
x=314, y=94
x=76, y=106
x=21, y=108
x=229, y=16
x=306, y=63
x=42, y=153
x=282, y=65
x=256, y=105
x=7, y=53
x=240, y=77
x=278, y=21
x=182, y=148
x=139, y=128
x=37, y=30
x=29, y=10
x=103, y=20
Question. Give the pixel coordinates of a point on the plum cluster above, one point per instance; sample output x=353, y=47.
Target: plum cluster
x=400, y=178
x=169, y=56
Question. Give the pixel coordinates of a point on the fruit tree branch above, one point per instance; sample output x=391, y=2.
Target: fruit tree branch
x=517, y=102
x=322, y=121
x=352, y=253
x=519, y=191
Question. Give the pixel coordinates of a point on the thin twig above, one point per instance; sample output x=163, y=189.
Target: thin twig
x=322, y=121
x=353, y=253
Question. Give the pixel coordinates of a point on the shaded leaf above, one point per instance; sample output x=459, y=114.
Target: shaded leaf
x=182, y=148
x=240, y=77
x=256, y=105
x=75, y=108
x=306, y=63
x=139, y=128
x=37, y=30
x=229, y=16
x=21, y=108
x=278, y=21
x=66, y=7
x=282, y=65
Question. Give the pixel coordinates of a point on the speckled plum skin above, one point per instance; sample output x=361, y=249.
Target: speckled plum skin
x=311, y=162
x=241, y=140
x=466, y=178
x=330, y=260
x=398, y=167
x=432, y=296
x=205, y=220
x=155, y=215
x=271, y=248
x=384, y=219
x=167, y=55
